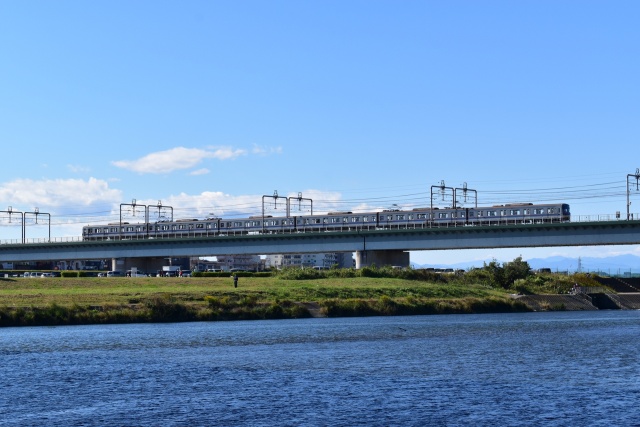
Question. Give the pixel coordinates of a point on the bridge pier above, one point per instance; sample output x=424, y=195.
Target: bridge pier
x=382, y=258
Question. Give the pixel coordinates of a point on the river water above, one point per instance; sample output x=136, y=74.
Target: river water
x=545, y=369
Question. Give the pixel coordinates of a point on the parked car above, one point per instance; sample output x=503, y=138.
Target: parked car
x=185, y=273
x=114, y=273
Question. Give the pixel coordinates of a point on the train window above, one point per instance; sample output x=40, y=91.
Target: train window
x=334, y=220
x=514, y=212
x=422, y=216
x=538, y=211
x=199, y=225
x=237, y=224
x=410, y=217
x=503, y=212
x=345, y=219
x=551, y=210
x=355, y=219
x=365, y=219
x=526, y=211
x=399, y=217
x=324, y=220
x=442, y=215
x=492, y=213
x=454, y=214
x=461, y=214
x=470, y=214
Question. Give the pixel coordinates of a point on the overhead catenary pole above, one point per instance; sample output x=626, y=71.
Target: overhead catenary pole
x=35, y=212
x=132, y=204
x=637, y=177
x=442, y=189
x=275, y=204
x=10, y=211
x=147, y=216
x=299, y=199
x=465, y=190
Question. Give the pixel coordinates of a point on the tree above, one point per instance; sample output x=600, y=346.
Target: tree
x=495, y=272
x=514, y=270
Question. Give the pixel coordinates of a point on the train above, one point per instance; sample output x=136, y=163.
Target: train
x=389, y=219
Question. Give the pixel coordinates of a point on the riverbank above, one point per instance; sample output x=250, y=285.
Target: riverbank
x=65, y=301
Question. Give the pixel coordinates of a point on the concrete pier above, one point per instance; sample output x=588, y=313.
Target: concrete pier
x=382, y=258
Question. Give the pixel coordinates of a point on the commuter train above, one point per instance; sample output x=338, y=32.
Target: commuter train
x=508, y=214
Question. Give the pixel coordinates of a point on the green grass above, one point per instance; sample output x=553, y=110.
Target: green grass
x=38, y=301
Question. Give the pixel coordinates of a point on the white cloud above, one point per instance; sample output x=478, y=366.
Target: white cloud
x=78, y=169
x=263, y=151
x=177, y=159
x=57, y=192
x=202, y=171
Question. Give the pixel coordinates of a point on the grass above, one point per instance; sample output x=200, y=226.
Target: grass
x=42, y=301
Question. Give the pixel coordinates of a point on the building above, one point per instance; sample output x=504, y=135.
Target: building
x=308, y=260
x=228, y=262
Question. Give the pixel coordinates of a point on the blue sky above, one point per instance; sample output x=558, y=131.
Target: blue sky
x=207, y=106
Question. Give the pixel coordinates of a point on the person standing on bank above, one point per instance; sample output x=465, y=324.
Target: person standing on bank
x=235, y=280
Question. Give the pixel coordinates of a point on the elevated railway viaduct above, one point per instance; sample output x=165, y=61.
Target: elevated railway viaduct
x=380, y=247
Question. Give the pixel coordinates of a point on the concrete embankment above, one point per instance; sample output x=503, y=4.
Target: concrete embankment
x=628, y=301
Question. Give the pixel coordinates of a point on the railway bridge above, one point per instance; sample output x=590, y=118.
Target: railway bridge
x=380, y=247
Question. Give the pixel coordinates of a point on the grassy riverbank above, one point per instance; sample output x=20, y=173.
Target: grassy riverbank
x=56, y=301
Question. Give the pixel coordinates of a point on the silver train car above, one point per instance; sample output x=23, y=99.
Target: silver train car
x=508, y=214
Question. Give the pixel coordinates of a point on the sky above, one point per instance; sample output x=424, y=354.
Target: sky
x=209, y=106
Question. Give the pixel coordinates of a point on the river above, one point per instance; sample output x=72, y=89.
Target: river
x=546, y=369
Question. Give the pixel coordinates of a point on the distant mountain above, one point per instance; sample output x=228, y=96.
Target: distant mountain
x=618, y=265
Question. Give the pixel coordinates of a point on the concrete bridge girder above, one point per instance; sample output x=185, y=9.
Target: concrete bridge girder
x=566, y=234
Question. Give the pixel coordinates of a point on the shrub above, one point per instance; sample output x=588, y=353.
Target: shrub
x=69, y=274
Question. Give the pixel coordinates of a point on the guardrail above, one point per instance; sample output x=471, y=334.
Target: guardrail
x=309, y=229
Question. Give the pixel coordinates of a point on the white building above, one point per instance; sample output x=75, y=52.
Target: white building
x=227, y=262
x=325, y=260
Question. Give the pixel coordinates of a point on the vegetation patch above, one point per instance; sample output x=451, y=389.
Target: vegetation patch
x=371, y=291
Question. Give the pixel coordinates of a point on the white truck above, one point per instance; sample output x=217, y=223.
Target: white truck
x=134, y=272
